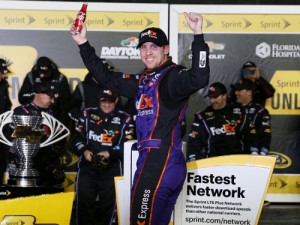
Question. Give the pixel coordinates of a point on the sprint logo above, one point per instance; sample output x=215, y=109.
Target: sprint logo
x=5, y=193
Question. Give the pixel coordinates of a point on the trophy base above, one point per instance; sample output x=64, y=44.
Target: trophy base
x=12, y=191
x=24, y=173
x=22, y=182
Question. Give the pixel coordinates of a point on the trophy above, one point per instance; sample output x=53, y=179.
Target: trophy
x=26, y=143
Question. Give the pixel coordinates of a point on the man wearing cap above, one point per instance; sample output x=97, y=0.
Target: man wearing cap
x=5, y=105
x=219, y=129
x=262, y=88
x=260, y=119
x=47, y=160
x=45, y=70
x=161, y=94
x=101, y=133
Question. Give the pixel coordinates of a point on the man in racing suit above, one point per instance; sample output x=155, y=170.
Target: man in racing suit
x=260, y=119
x=219, y=129
x=161, y=93
x=101, y=133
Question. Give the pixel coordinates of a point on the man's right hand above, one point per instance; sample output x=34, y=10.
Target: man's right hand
x=194, y=21
x=80, y=38
x=88, y=155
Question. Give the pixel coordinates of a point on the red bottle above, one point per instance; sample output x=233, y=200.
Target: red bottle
x=77, y=25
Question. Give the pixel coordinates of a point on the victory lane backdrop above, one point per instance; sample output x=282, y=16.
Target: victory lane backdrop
x=33, y=29
x=43, y=28
x=269, y=37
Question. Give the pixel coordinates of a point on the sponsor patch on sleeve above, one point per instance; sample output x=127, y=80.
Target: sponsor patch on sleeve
x=202, y=59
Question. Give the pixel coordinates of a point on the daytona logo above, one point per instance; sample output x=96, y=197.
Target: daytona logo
x=120, y=53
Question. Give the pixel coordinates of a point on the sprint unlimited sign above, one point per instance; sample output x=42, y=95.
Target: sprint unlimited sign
x=224, y=190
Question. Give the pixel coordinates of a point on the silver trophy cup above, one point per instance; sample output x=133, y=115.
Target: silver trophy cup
x=26, y=143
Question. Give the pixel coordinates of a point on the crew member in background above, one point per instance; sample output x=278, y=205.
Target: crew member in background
x=262, y=88
x=161, y=94
x=219, y=129
x=5, y=105
x=47, y=161
x=45, y=70
x=260, y=119
x=84, y=96
x=101, y=133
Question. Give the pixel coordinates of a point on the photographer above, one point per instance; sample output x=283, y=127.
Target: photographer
x=262, y=88
x=100, y=135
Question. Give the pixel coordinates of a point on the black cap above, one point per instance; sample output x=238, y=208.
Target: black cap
x=244, y=84
x=48, y=88
x=249, y=64
x=44, y=66
x=154, y=35
x=216, y=89
x=106, y=93
x=3, y=66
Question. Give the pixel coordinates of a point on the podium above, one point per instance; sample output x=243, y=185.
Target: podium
x=218, y=190
x=224, y=190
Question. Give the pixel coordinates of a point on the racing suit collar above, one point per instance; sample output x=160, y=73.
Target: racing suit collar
x=108, y=114
x=163, y=65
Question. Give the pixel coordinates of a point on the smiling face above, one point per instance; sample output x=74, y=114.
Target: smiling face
x=107, y=105
x=243, y=96
x=153, y=55
x=218, y=102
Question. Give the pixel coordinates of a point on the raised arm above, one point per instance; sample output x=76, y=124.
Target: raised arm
x=80, y=38
x=116, y=81
x=194, y=21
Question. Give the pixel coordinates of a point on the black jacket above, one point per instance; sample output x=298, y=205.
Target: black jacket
x=218, y=132
x=62, y=103
x=98, y=131
x=260, y=121
x=5, y=103
x=84, y=96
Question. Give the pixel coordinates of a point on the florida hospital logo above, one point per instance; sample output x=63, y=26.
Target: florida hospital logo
x=278, y=50
x=263, y=50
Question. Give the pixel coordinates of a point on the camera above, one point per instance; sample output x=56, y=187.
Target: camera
x=100, y=161
x=248, y=72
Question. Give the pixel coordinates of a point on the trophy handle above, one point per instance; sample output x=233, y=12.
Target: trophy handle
x=5, y=118
x=58, y=130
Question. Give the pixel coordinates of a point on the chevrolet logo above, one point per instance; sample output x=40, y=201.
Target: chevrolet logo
x=215, y=46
